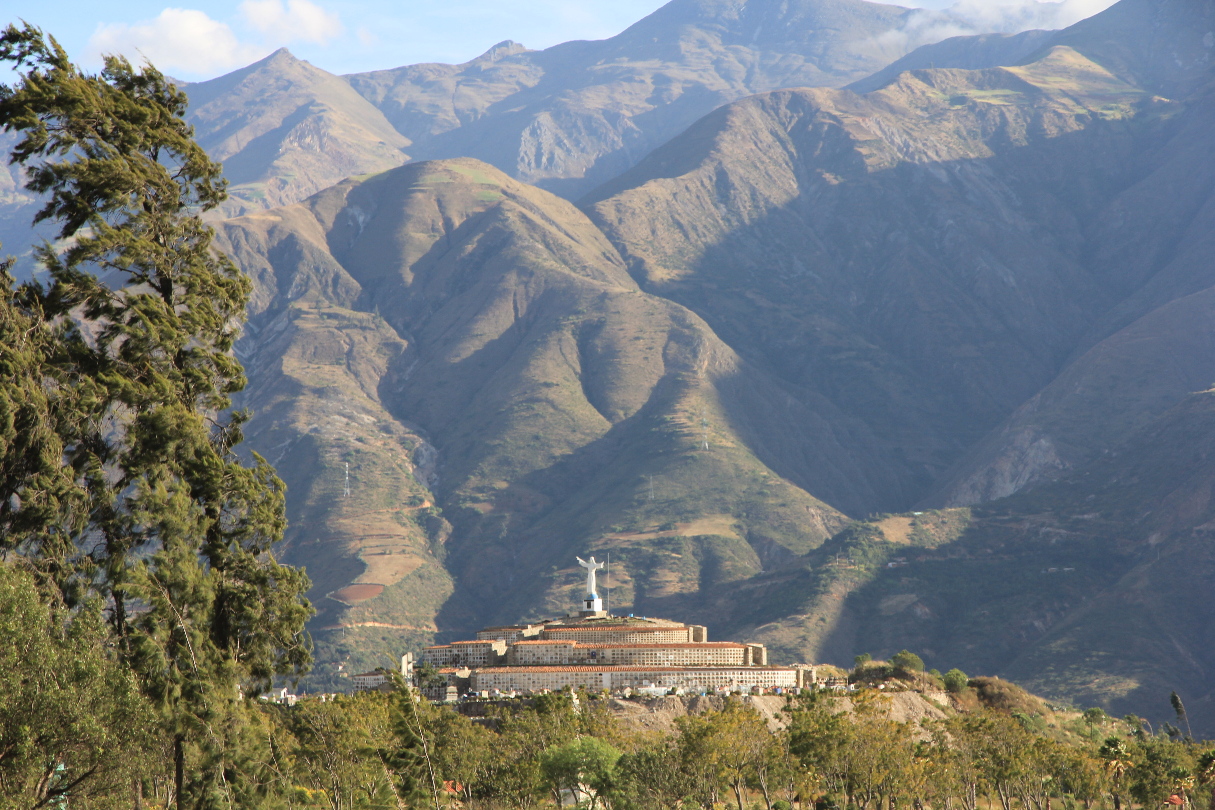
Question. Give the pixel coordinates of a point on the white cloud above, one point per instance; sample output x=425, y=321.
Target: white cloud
x=968, y=17
x=1010, y=16
x=296, y=20
x=177, y=40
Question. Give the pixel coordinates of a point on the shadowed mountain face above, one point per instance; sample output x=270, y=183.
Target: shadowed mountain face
x=1089, y=589
x=916, y=256
x=1006, y=274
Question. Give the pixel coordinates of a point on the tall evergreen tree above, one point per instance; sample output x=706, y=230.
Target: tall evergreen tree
x=135, y=494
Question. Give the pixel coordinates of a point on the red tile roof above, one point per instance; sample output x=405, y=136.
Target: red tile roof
x=617, y=627
x=681, y=645
x=591, y=668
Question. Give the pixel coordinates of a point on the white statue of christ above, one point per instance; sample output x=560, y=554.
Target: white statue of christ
x=591, y=567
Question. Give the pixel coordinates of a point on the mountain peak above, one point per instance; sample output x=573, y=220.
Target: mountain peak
x=505, y=48
x=280, y=58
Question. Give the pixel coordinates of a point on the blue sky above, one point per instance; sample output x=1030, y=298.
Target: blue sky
x=204, y=38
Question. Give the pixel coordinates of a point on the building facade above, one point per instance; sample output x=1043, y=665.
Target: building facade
x=594, y=650
x=610, y=678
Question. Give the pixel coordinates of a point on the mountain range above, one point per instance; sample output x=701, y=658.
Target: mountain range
x=824, y=345
x=565, y=118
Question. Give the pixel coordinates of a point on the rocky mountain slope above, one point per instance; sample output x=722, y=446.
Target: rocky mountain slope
x=812, y=304
x=284, y=130
x=565, y=118
x=444, y=305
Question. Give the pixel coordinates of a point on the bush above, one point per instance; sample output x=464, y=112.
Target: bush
x=907, y=662
x=999, y=694
x=955, y=680
x=861, y=660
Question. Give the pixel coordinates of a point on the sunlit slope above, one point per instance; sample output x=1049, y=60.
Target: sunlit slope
x=369, y=538
x=467, y=341
x=285, y=129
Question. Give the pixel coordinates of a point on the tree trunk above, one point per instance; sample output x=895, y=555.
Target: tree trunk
x=179, y=770
x=763, y=788
x=738, y=793
x=1117, y=802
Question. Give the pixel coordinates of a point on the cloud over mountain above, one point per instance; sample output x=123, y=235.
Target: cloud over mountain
x=971, y=17
x=176, y=40
x=190, y=42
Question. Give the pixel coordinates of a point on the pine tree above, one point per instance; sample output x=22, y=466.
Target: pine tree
x=134, y=493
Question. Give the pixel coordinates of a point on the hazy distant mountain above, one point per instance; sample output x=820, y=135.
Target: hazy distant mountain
x=571, y=116
x=285, y=130
x=967, y=52
x=565, y=118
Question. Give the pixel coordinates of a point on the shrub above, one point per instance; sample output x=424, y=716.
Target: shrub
x=955, y=680
x=907, y=662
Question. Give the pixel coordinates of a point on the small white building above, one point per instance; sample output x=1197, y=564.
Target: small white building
x=370, y=680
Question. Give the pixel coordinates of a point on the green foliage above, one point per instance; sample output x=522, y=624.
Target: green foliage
x=120, y=480
x=73, y=726
x=584, y=766
x=906, y=662
x=339, y=747
x=652, y=778
x=955, y=680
